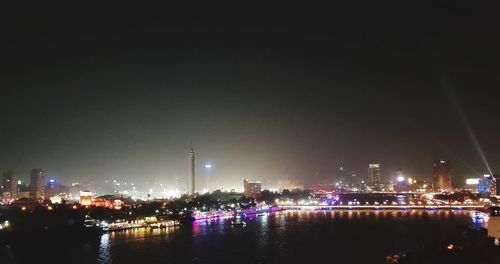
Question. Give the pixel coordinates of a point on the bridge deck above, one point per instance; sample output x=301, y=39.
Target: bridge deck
x=378, y=207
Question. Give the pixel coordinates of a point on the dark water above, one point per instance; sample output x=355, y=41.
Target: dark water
x=285, y=237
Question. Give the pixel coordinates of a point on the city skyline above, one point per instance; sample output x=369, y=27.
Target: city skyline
x=273, y=97
x=377, y=174
x=247, y=132
x=442, y=179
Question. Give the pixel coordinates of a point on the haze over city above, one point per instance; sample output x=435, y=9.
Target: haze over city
x=122, y=92
x=249, y=133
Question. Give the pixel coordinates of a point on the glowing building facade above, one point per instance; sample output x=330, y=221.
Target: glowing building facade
x=487, y=185
x=252, y=189
x=86, y=198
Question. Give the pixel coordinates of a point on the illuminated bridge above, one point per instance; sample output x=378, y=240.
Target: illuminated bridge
x=378, y=207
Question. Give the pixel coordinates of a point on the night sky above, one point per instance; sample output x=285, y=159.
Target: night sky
x=116, y=91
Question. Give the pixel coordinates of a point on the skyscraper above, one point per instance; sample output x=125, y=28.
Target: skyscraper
x=9, y=185
x=341, y=175
x=374, y=175
x=52, y=188
x=192, y=172
x=442, y=175
x=353, y=177
x=37, y=184
x=487, y=185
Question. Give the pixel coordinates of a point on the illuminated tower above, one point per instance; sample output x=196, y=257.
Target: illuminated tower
x=191, y=171
x=442, y=175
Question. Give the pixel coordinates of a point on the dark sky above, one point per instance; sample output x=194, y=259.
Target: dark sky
x=263, y=91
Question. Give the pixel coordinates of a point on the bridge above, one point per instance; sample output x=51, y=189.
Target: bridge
x=379, y=207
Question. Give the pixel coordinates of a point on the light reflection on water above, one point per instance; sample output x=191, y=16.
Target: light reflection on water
x=281, y=232
x=104, y=255
x=282, y=237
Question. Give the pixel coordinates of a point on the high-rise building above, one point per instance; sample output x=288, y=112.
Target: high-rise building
x=53, y=188
x=487, y=185
x=374, y=175
x=37, y=184
x=341, y=175
x=442, y=175
x=251, y=188
x=192, y=178
x=353, y=177
x=9, y=185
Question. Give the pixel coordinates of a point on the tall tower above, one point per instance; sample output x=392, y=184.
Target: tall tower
x=442, y=175
x=191, y=171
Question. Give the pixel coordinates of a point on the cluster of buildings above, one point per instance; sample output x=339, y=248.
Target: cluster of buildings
x=107, y=201
x=350, y=181
x=398, y=182
x=40, y=187
x=441, y=180
x=485, y=186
